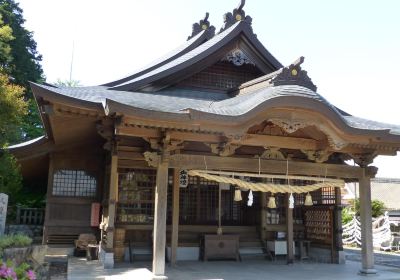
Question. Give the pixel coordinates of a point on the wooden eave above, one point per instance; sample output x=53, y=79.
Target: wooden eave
x=41, y=93
x=357, y=140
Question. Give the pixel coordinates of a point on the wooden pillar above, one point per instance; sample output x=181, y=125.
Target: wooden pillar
x=48, y=195
x=263, y=216
x=367, y=250
x=175, y=216
x=338, y=253
x=160, y=214
x=289, y=231
x=108, y=261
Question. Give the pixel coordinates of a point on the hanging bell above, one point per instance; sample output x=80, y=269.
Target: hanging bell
x=238, y=195
x=308, y=201
x=291, y=201
x=271, y=202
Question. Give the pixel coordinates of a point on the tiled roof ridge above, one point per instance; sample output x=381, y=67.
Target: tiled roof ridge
x=289, y=75
x=386, y=180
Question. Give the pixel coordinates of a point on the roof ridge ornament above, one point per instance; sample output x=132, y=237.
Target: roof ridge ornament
x=205, y=25
x=294, y=75
x=238, y=14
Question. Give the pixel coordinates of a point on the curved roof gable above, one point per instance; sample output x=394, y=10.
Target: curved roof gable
x=236, y=33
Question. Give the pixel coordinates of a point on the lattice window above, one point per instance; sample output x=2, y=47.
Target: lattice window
x=136, y=196
x=76, y=183
x=328, y=195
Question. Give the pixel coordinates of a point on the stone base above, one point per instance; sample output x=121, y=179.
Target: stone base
x=159, y=277
x=341, y=257
x=106, y=258
x=368, y=271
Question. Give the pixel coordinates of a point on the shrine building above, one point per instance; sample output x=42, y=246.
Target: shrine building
x=212, y=151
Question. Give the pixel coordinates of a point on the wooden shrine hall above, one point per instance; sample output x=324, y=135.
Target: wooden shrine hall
x=211, y=151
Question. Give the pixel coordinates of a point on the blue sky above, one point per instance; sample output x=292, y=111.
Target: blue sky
x=352, y=48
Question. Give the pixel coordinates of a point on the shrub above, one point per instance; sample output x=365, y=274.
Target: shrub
x=22, y=272
x=15, y=240
x=347, y=215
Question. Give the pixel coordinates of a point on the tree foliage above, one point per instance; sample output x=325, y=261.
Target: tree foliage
x=67, y=83
x=10, y=176
x=377, y=208
x=13, y=109
x=21, y=61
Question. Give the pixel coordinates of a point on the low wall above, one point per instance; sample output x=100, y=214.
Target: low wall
x=33, y=231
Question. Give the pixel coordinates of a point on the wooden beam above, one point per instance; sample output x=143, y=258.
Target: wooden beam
x=257, y=140
x=130, y=155
x=266, y=165
x=277, y=141
x=196, y=137
x=175, y=217
x=137, y=131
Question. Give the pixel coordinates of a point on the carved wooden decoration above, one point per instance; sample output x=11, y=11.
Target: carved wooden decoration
x=317, y=156
x=363, y=160
x=105, y=129
x=152, y=158
x=273, y=153
x=237, y=57
x=290, y=126
x=223, y=149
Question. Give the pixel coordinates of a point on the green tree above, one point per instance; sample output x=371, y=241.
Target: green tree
x=377, y=208
x=13, y=108
x=67, y=83
x=22, y=64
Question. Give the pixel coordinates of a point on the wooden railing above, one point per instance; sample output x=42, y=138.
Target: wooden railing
x=30, y=216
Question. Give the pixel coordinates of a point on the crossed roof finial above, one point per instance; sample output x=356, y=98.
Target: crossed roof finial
x=203, y=24
x=238, y=14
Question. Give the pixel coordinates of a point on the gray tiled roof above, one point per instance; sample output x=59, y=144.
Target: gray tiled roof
x=361, y=123
x=181, y=101
x=172, y=101
x=196, y=52
x=193, y=42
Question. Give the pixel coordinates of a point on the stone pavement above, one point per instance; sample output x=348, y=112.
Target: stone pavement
x=229, y=270
x=383, y=258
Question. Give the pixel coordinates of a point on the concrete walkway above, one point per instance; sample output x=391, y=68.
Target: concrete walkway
x=229, y=270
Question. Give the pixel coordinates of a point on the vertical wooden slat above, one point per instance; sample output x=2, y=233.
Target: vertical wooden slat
x=175, y=216
x=18, y=219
